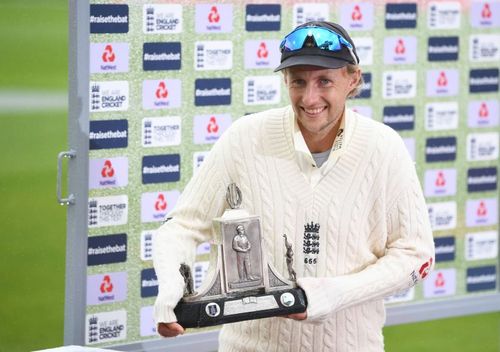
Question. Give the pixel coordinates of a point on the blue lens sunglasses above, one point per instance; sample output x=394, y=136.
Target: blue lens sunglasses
x=325, y=39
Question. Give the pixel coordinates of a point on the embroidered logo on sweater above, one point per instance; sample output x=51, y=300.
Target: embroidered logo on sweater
x=425, y=268
x=311, y=243
x=338, y=140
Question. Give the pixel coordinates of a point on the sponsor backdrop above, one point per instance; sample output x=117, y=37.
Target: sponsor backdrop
x=166, y=80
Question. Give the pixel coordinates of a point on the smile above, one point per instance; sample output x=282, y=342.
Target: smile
x=314, y=111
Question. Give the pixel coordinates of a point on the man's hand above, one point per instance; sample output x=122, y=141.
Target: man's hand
x=297, y=316
x=170, y=329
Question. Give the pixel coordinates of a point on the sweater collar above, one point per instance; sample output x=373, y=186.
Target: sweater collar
x=339, y=145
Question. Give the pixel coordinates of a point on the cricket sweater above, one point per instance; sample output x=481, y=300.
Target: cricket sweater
x=364, y=208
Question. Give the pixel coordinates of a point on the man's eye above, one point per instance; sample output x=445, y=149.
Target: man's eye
x=297, y=82
x=325, y=82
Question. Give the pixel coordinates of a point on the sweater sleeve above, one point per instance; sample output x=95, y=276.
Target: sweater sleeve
x=189, y=224
x=408, y=257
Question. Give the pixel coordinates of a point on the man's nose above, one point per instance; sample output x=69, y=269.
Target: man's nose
x=310, y=95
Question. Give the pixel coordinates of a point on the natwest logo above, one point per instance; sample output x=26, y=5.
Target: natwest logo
x=209, y=128
x=109, y=57
x=485, y=14
x=440, y=283
x=156, y=205
x=214, y=18
x=212, y=126
x=483, y=113
x=109, y=172
x=262, y=52
x=213, y=15
x=440, y=182
x=106, y=284
x=107, y=288
x=161, y=91
x=357, y=16
x=400, y=50
x=482, y=212
x=161, y=94
x=442, y=82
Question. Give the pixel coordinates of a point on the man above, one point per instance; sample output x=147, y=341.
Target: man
x=341, y=186
x=242, y=246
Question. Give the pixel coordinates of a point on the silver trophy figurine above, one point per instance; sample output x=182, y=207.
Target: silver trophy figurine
x=243, y=285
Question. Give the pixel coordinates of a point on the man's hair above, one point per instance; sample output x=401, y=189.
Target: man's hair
x=351, y=69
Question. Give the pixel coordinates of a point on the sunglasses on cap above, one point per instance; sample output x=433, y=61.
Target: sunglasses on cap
x=324, y=38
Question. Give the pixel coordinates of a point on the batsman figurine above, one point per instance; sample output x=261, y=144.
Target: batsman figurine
x=242, y=284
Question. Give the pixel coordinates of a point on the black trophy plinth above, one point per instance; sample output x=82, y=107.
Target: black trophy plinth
x=233, y=309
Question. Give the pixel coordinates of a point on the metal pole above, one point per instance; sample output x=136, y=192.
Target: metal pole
x=78, y=129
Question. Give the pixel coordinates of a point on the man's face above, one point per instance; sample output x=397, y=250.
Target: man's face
x=318, y=97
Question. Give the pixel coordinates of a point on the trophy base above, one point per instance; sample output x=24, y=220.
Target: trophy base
x=232, y=309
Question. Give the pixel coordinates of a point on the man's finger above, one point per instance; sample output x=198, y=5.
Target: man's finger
x=170, y=329
x=297, y=316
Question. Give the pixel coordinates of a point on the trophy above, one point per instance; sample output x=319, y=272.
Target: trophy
x=243, y=285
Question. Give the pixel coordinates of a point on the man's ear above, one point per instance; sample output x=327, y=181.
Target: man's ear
x=355, y=77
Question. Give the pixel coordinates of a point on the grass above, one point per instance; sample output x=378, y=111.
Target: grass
x=34, y=44
x=33, y=232
x=475, y=333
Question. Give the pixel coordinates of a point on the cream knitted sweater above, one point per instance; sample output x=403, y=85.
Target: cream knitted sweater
x=374, y=234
